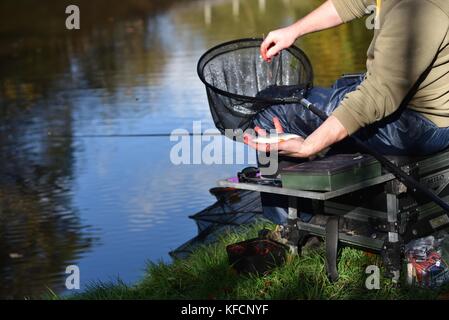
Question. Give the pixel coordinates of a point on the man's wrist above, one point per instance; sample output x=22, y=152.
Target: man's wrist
x=298, y=29
x=307, y=149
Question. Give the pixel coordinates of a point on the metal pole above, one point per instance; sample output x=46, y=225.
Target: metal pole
x=407, y=180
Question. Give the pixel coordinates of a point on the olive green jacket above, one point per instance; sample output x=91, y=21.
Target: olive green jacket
x=408, y=62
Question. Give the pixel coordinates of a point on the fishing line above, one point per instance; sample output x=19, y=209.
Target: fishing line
x=137, y=135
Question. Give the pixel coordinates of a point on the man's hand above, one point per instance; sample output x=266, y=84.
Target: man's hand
x=330, y=132
x=324, y=17
x=276, y=41
x=292, y=148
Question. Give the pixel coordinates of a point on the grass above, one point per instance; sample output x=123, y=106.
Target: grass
x=207, y=275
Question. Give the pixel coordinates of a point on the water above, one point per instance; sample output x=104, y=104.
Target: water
x=110, y=205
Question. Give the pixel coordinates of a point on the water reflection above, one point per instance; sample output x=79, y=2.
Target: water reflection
x=40, y=231
x=103, y=204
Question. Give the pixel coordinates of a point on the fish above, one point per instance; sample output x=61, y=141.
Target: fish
x=281, y=137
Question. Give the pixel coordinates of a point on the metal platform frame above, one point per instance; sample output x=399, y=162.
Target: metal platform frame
x=394, y=218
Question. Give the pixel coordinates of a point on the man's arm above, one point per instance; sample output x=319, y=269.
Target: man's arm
x=408, y=43
x=404, y=50
x=324, y=17
x=330, y=14
x=349, y=10
x=329, y=133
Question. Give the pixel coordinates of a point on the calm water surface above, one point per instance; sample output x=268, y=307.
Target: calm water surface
x=110, y=205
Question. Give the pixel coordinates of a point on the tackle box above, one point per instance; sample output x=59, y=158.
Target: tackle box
x=331, y=173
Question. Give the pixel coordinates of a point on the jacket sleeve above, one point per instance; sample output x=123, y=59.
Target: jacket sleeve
x=351, y=9
x=409, y=41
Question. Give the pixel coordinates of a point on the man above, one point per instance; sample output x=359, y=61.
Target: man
x=399, y=107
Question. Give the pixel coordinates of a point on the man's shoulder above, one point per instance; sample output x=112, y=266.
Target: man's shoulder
x=443, y=5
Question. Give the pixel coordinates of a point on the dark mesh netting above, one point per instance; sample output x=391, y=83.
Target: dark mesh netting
x=233, y=208
x=240, y=83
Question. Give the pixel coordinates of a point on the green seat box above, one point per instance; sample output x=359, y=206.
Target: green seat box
x=331, y=173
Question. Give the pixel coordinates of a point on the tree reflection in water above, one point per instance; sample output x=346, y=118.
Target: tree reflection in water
x=40, y=231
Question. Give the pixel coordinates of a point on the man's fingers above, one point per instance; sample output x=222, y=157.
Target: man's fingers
x=260, y=131
x=264, y=48
x=267, y=44
x=278, y=125
x=274, y=50
x=247, y=138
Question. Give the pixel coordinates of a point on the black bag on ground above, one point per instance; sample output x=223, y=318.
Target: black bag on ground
x=256, y=256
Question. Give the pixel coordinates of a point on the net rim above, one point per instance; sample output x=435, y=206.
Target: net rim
x=294, y=50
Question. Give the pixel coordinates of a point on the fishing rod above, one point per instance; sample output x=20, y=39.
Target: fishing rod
x=137, y=135
x=401, y=175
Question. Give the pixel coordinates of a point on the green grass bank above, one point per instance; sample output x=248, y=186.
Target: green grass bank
x=207, y=275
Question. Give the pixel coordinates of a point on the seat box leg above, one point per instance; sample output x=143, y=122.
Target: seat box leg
x=290, y=231
x=392, y=250
x=332, y=239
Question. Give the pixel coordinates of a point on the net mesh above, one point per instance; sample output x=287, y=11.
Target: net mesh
x=240, y=83
x=233, y=208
